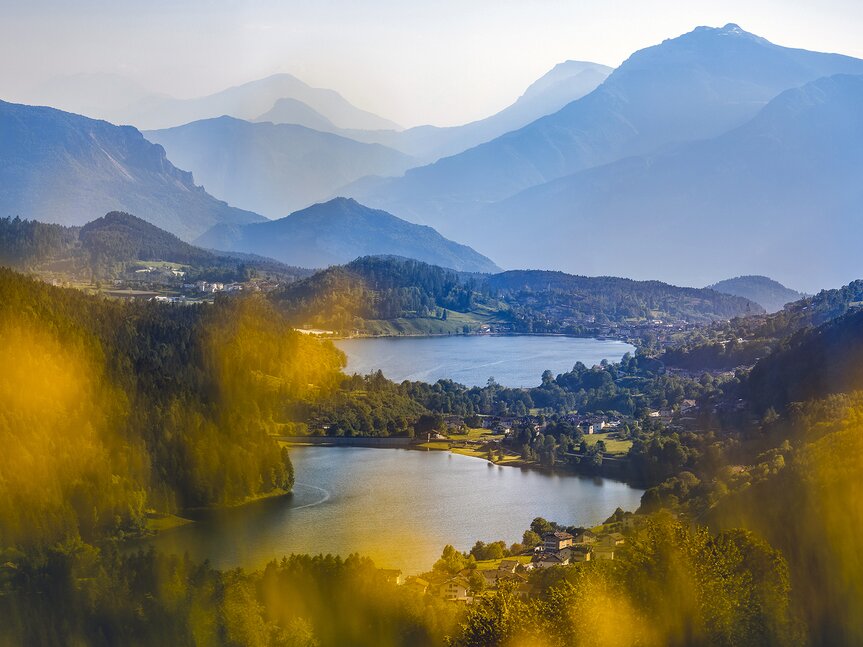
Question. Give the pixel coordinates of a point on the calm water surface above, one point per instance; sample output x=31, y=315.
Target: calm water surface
x=513, y=360
x=398, y=506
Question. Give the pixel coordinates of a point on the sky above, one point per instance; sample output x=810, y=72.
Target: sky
x=443, y=62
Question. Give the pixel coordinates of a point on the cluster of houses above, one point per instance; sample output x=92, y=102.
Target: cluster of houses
x=557, y=549
x=211, y=288
x=561, y=548
x=589, y=423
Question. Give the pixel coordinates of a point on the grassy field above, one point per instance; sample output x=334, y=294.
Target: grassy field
x=479, y=453
x=613, y=446
x=477, y=433
x=454, y=324
x=492, y=564
x=158, y=523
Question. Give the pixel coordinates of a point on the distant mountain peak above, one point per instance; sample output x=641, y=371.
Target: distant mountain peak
x=731, y=29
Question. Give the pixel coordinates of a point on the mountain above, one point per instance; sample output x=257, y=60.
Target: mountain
x=780, y=196
x=272, y=169
x=769, y=294
x=61, y=167
x=696, y=86
x=339, y=231
x=249, y=101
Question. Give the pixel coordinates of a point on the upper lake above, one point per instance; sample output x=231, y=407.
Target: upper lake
x=512, y=360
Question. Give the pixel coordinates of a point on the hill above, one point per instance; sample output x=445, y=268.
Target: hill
x=760, y=194
x=59, y=167
x=114, y=246
x=339, y=231
x=394, y=295
x=769, y=294
x=696, y=86
x=273, y=169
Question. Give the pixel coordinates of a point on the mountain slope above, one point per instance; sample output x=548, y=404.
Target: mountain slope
x=248, y=101
x=769, y=294
x=695, y=86
x=273, y=169
x=339, y=231
x=60, y=167
x=780, y=195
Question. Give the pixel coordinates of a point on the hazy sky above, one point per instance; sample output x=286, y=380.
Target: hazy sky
x=413, y=61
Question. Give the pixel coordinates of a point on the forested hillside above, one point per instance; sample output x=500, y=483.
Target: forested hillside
x=376, y=288
x=742, y=341
x=126, y=408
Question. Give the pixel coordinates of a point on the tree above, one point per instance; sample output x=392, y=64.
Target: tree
x=451, y=561
x=541, y=527
x=476, y=582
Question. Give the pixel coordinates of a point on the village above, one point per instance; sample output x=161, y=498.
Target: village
x=556, y=548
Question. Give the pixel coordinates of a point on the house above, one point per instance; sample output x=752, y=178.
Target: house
x=554, y=541
x=516, y=578
x=391, y=575
x=417, y=585
x=613, y=539
x=585, y=537
x=456, y=589
x=547, y=560
x=581, y=553
x=508, y=566
x=603, y=552
x=489, y=575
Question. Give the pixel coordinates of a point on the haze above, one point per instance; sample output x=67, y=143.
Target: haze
x=444, y=62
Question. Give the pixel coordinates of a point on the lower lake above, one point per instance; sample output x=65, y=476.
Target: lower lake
x=398, y=506
x=513, y=360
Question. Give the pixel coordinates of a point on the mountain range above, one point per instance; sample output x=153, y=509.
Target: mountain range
x=565, y=83
x=59, y=167
x=339, y=231
x=695, y=86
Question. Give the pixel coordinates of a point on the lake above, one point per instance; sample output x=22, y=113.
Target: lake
x=513, y=360
x=398, y=506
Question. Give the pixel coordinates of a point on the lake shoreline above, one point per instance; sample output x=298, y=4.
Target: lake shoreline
x=514, y=360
